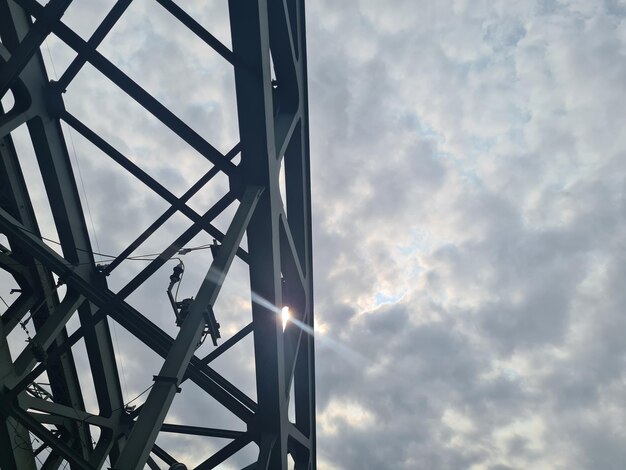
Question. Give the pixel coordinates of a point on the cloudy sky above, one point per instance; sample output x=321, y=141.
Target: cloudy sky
x=469, y=199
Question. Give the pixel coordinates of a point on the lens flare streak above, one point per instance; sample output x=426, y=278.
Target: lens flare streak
x=344, y=351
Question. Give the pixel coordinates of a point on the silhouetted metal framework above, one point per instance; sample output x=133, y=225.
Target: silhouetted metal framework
x=273, y=127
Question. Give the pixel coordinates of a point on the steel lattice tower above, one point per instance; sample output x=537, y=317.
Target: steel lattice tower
x=269, y=62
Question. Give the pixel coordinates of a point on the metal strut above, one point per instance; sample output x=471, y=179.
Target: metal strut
x=268, y=57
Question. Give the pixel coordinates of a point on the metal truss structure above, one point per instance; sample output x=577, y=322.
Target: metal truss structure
x=269, y=61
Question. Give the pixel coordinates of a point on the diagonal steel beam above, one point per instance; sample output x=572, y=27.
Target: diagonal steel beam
x=47, y=333
x=109, y=303
x=142, y=176
x=224, y=453
x=166, y=384
x=115, y=13
x=226, y=345
x=200, y=31
x=169, y=212
x=175, y=246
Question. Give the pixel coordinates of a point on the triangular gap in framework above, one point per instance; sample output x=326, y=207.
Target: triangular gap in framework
x=241, y=458
x=35, y=185
x=85, y=18
x=223, y=221
x=282, y=185
x=214, y=17
x=83, y=370
x=57, y=55
x=238, y=367
x=291, y=410
x=188, y=449
x=272, y=68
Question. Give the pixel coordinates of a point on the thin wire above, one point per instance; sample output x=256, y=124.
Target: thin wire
x=82, y=183
x=95, y=236
x=17, y=434
x=4, y=301
x=80, y=173
x=119, y=407
x=142, y=257
x=138, y=396
x=51, y=61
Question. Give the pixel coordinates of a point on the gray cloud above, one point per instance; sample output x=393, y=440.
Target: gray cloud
x=469, y=222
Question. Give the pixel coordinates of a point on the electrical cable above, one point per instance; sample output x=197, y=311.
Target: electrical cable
x=80, y=173
x=142, y=257
x=125, y=405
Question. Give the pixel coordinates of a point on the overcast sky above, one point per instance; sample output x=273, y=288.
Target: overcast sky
x=469, y=177
x=469, y=180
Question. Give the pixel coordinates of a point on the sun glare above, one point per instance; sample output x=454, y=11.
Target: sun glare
x=285, y=316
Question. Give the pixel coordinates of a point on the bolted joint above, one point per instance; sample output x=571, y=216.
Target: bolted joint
x=166, y=379
x=54, y=100
x=237, y=184
x=39, y=352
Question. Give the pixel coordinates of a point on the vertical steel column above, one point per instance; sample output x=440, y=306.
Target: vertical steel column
x=272, y=123
x=250, y=37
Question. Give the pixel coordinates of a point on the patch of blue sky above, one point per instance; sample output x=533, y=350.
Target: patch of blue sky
x=616, y=8
x=516, y=136
x=381, y=298
x=481, y=146
x=421, y=242
x=469, y=174
x=423, y=130
x=511, y=374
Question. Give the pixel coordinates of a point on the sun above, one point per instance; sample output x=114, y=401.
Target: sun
x=285, y=315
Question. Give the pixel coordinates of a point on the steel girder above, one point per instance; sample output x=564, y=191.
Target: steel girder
x=268, y=36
